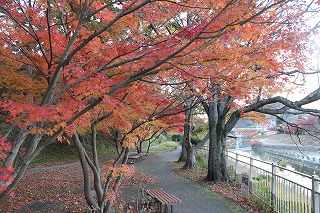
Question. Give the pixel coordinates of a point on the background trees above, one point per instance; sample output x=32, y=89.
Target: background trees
x=69, y=67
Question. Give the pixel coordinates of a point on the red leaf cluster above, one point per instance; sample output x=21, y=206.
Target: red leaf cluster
x=5, y=170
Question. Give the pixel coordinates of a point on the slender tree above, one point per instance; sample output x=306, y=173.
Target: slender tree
x=187, y=130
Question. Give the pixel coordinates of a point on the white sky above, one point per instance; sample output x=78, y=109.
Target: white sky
x=312, y=83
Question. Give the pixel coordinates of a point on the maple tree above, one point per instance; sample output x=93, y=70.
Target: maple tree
x=67, y=64
x=244, y=69
x=143, y=110
x=63, y=71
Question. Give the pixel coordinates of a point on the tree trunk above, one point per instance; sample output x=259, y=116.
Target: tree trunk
x=214, y=171
x=86, y=173
x=183, y=153
x=190, y=160
x=187, y=129
x=118, y=181
x=139, y=147
x=221, y=133
x=219, y=127
x=149, y=144
x=217, y=171
x=218, y=131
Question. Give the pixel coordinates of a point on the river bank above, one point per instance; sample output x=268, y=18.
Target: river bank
x=300, y=153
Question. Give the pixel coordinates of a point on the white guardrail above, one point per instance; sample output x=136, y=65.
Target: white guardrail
x=282, y=189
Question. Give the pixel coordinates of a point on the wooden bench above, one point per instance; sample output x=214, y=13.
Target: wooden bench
x=163, y=198
x=133, y=158
x=142, y=154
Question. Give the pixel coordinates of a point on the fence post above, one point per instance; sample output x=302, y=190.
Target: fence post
x=245, y=184
x=315, y=194
x=273, y=184
x=250, y=174
x=237, y=165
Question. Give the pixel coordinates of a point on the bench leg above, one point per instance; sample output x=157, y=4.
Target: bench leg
x=166, y=208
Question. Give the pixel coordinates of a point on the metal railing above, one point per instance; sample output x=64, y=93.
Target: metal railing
x=282, y=189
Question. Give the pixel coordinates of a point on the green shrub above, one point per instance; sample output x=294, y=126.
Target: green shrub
x=55, y=153
x=260, y=177
x=170, y=145
x=260, y=204
x=199, y=133
x=201, y=161
x=165, y=147
x=177, y=137
x=195, y=139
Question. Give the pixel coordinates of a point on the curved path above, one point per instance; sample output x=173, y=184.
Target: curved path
x=195, y=198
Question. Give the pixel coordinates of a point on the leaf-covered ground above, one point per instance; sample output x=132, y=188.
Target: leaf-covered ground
x=62, y=187
x=231, y=191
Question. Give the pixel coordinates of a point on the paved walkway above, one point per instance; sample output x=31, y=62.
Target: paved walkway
x=195, y=198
